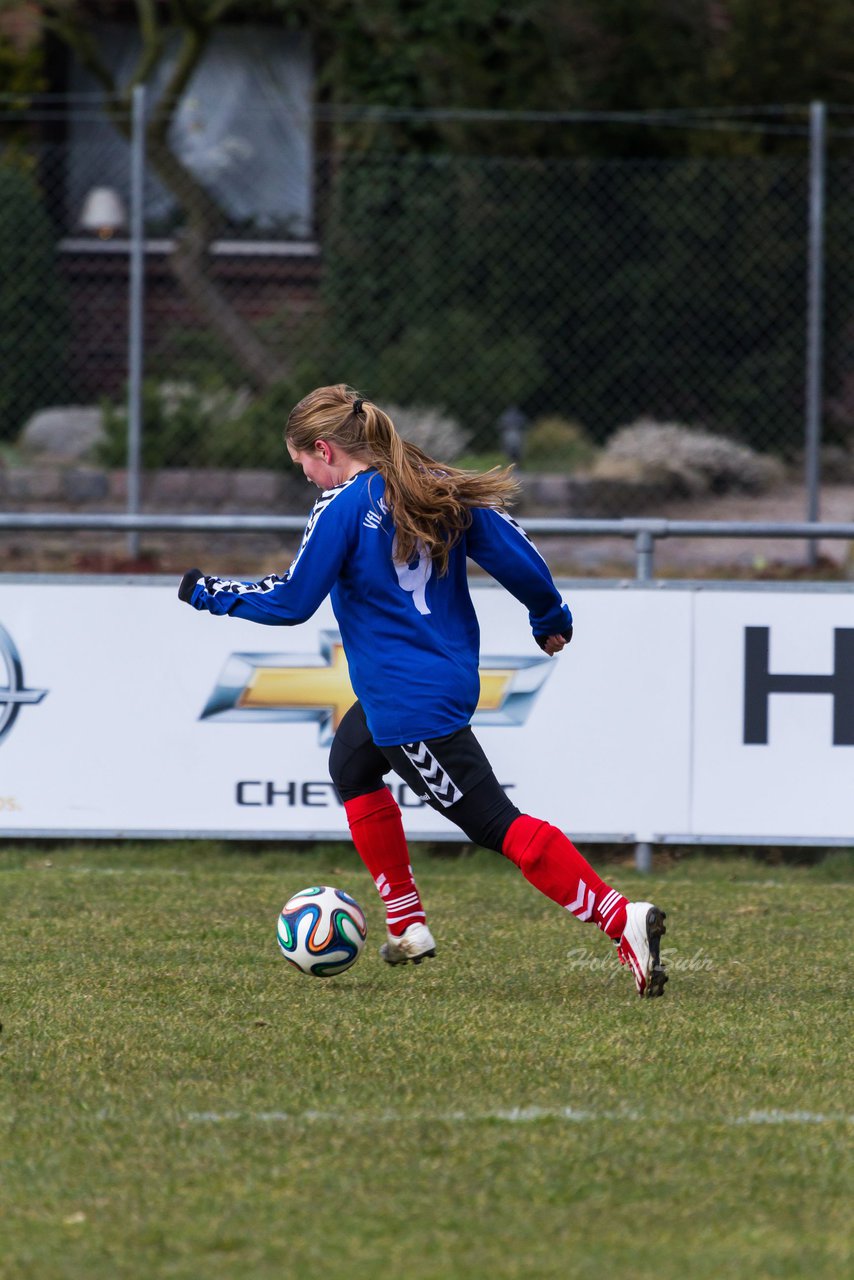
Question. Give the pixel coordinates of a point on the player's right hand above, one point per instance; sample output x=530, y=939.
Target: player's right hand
x=189, y=582
x=553, y=644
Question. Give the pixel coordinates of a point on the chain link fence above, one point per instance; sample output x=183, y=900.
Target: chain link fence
x=631, y=332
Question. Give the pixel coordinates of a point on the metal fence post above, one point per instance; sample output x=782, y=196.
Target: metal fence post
x=643, y=857
x=815, y=317
x=135, y=310
x=644, y=551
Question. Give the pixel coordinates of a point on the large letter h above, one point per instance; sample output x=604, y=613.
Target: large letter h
x=759, y=684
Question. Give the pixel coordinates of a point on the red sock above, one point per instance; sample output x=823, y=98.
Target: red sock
x=377, y=830
x=551, y=862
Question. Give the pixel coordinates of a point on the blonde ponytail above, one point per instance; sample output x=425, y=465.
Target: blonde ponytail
x=430, y=502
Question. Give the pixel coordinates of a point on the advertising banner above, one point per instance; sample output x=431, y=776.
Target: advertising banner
x=679, y=711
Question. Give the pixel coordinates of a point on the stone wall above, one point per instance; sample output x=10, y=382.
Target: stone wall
x=86, y=488
x=53, y=488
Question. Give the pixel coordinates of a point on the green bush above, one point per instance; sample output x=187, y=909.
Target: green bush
x=555, y=442
x=33, y=310
x=178, y=419
x=258, y=440
x=603, y=289
x=420, y=295
x=203, y=424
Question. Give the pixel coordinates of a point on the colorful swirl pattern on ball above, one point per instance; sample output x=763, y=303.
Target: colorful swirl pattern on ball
x=320, y=938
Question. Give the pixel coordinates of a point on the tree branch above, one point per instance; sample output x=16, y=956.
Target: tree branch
x=190, y=52
x=71, y=31
x=153, y=43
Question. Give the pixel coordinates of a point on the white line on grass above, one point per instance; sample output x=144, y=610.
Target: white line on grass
x=50, y=865
x=686, y=883
x=510, y=1115
x=792, y=1117
x=127, y=871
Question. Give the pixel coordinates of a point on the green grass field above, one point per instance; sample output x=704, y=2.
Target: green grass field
x=178, y=1102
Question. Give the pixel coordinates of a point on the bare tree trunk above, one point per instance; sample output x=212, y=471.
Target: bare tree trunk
x=189, y=265
x=190, y=262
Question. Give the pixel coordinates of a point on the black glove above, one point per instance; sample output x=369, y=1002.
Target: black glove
x=567, y=635
x=188, y=584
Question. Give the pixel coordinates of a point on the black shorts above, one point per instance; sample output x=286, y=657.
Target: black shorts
x=451, y=774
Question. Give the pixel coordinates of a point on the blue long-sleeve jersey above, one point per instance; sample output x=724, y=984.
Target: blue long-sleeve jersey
x=411, y=637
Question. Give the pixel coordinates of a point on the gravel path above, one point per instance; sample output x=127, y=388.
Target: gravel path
x=741, y=556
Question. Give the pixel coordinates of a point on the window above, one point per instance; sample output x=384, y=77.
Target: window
x=243, y=129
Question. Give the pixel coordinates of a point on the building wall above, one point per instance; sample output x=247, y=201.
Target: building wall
x=259, y=286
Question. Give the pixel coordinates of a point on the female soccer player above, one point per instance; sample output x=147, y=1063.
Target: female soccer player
x=388, y=540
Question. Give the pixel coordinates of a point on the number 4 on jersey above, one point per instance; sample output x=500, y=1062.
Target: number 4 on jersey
x=414, y=578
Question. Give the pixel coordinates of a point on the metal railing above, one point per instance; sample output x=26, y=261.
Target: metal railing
x=644, y=532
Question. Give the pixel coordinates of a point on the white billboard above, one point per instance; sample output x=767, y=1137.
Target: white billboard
x=774, y=714
x=689, y=712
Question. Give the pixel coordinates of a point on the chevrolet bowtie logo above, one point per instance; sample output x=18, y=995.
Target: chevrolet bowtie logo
x=257, y=687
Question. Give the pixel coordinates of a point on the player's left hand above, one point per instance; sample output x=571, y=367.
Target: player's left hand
x=553, y=644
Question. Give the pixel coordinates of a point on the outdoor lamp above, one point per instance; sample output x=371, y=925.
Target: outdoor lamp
x=103, y=212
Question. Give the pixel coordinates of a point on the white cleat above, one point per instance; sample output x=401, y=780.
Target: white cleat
x=415, y=944
x=639, y=947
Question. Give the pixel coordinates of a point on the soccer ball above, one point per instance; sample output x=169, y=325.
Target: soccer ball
x=321, y=931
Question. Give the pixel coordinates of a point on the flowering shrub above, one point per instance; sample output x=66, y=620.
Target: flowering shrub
x=686, y=461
